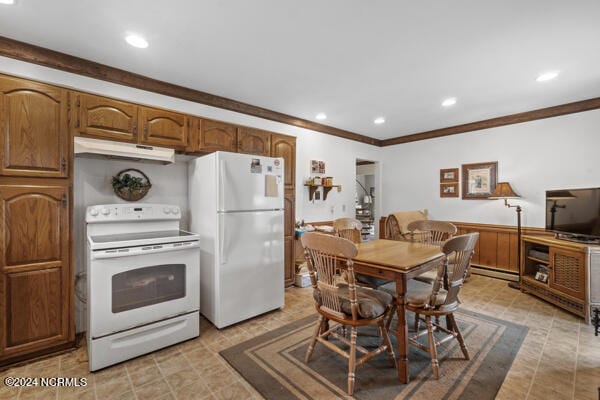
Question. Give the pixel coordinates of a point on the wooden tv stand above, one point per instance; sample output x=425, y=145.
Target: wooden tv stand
x=572, y=281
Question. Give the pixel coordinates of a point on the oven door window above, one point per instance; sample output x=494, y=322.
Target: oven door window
x=146, y=286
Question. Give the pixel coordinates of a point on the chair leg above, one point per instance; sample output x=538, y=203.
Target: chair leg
x=388, y=344
x=392, y=312
x=313, y=340
x=352, y=360
x=432, y=348
x=417, y=321
x=459, y=336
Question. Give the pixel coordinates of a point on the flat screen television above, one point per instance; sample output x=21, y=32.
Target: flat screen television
x=574, y=213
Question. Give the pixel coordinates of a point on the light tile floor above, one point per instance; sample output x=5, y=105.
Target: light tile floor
x=560, y=358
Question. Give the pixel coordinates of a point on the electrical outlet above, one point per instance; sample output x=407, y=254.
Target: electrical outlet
x=343, y=208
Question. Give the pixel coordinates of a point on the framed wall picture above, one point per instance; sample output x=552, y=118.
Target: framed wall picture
x=317, y=167
x=449, y=189
x=479, y=180
x=448, y=175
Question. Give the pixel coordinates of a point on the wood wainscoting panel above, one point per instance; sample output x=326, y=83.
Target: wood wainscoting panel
x=497, y=247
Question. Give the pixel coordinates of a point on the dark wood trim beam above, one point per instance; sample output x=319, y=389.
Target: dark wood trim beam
x=49, y=58
x=365, y=162
x=555, y=111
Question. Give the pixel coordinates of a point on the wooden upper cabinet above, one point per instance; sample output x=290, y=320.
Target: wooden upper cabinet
x=215, y=136
x=34, y=268
x=33, y=129
x=285, y=146
x=254, y=141
x=104, y=118
x=164, y=128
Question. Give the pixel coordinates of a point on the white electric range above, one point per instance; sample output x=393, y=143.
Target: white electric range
x=143, y=276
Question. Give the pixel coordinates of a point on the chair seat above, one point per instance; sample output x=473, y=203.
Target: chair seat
x=431, y=275
x=419, y=295
x=371, y=303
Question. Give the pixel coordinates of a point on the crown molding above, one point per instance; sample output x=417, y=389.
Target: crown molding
x=555, y=111
x=49, y=58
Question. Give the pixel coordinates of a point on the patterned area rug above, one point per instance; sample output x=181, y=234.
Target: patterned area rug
x=274, y=364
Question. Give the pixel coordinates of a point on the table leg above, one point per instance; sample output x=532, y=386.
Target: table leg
x=402, y=332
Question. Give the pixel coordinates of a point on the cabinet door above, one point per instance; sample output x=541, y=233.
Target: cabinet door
x=164, y=128
x=289, y=263
x=33, y=129
x=567, y=272
x=289, y=219
x=216, y=136
x=288, y=231
x=103, y=118
x=35, y=275
x=285, y=146
x=254, y=141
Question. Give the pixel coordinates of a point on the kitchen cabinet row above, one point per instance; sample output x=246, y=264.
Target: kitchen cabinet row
x=37, y=123
x=37, y=117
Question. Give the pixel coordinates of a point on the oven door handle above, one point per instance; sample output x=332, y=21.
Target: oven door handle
x=143, y=250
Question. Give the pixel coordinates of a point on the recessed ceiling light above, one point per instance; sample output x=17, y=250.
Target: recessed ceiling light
x=379, y=120
x=136, y=41
x=321, y=116
x=7, y=2
x=547, y=76
x=449, y=102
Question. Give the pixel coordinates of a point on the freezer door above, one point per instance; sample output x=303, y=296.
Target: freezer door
x=248, y=182
x=250, y=272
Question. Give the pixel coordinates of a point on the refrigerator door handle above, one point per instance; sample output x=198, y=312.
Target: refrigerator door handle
x=222, y=255
x=221, y=184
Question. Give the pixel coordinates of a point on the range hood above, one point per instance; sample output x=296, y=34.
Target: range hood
x=122, y=151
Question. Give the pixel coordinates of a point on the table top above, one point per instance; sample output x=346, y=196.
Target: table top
x=396, y=254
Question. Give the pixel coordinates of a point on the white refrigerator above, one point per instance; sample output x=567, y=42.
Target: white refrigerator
x=236, y=205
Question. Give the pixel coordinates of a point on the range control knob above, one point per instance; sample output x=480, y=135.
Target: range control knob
x=105, y=211
x=93, y=212
x=175, y=210
x=167, y=210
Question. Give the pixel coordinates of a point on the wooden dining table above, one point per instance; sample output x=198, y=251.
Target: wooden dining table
x=398, y=262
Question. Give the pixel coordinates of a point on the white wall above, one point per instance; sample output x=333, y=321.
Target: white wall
x=339, y=154
x=552, y=153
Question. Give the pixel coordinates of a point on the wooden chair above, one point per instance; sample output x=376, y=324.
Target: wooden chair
x=435, y=301
x=348, y=228
x=431, y=232
x=345, y=304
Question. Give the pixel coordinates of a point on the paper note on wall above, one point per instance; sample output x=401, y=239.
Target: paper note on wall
x=271, y=186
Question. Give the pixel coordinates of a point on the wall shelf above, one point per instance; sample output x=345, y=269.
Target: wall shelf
x=326, y=189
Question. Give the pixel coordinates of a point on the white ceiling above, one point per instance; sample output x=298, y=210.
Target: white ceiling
x=352, y=59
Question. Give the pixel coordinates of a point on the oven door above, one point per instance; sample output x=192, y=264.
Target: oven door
x=132, y=290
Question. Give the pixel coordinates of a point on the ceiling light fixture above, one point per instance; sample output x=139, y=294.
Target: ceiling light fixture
x=321, y=116
x=7, y=2
x=449, y=102
x=136, y=41
x=379, y=120
x=547, y=76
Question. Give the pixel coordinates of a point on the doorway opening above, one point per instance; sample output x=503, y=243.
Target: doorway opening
x=364, y=198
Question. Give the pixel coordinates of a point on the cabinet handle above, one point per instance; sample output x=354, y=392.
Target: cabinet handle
x=63, y=164
x=64, y=200
x=134, y=128
x=146, y=131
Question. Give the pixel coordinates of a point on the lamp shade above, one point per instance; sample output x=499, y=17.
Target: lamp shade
x=559, y=195
x=503, y=191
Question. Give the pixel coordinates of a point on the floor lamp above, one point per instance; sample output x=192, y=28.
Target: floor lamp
x=504, y=191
